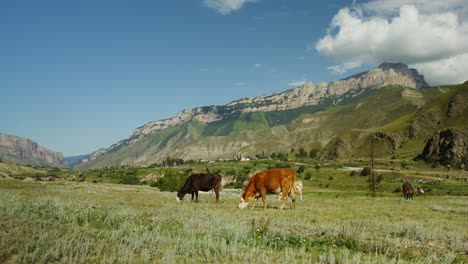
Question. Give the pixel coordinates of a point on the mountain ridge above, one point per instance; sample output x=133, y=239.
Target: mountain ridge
x=306, y=94
x=269, y=110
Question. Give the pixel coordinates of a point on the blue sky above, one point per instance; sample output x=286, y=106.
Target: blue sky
x=76, y=76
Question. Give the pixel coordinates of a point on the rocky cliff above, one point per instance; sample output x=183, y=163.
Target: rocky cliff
x=448, y=147
x=27, y=152
x=305, y=95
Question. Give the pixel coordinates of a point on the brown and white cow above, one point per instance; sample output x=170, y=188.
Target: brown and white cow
x=408, y=190
x=270, y=181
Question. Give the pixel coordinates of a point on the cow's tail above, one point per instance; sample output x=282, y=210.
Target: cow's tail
x=292, y=190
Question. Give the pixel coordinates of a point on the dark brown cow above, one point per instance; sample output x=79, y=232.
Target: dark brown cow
x=200, y=182
x=408, y=190
x=270, y=181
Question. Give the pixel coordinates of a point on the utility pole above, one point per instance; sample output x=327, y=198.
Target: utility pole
x=372, y=178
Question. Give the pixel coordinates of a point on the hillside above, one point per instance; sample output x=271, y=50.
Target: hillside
x=10, y=169
x=27, y=152
x=407, y=136
x=304, y=116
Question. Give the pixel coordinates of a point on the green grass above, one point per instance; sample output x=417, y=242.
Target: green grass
x=82, y=222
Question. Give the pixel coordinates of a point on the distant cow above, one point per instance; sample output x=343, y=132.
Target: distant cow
x=270, y=181
x=200, y=182
x=298, y=186
x=408, y=190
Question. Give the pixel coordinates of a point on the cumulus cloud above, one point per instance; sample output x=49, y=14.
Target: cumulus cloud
x=423, y=34
x=226, y=6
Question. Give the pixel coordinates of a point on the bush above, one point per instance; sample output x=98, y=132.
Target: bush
x=301, y=169
x=308, y=176
x=171, y=182
x=353, y=173
x=130, y=179
x=366, y=171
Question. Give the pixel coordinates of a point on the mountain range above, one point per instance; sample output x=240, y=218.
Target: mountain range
x=308, y=116
x=391, y=105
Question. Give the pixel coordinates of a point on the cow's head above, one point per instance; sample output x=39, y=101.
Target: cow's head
x=244, y=201
x=419, y=190
x=180, y=196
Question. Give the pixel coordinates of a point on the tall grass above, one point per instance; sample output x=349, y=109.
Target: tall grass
x=98, y=223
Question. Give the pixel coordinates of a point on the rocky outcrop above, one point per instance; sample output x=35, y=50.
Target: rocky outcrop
x=457, y=105
x=447, y=147
x=27, y=152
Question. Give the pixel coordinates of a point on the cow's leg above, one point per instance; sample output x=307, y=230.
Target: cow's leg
x=264, y=200
x=217, y=194
x=285, y=196
x=283, y=202
x=255, y=201
x=192, y=196
x=293, y=198
x=196, y=196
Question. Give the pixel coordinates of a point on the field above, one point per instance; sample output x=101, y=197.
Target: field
x=337, y=222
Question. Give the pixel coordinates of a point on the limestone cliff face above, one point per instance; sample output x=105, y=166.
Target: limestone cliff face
x=305, y=95
x=27, y=152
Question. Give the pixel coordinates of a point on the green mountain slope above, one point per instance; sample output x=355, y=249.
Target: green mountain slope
x=348, y=118
x=405, y=136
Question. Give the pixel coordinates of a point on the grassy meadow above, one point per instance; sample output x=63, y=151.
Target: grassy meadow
x=68, y=221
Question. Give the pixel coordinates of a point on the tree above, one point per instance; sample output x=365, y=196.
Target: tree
x=301, y=169
x=314, y=153
x=366, y=171
x=302, y=153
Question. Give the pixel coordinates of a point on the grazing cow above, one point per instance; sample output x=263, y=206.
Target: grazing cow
x=270, y=181
x=408, y=190
x=200, y=182
x=298, y=186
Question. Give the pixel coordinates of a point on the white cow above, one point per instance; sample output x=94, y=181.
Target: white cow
x=298, y=186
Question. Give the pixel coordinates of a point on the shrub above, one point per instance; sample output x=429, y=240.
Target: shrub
x=366, y=171
x=301, y=169
x=171, y=182
x=129, y=179
x=313, y=153
x=379, y=178
x=404, y=164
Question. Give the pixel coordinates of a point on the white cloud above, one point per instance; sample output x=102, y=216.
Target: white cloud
x=452, y=70
x=385, y=7
x=226, y=6
x=296, y=83
x=257, y=65
x=386, y=31
x=203, y=69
